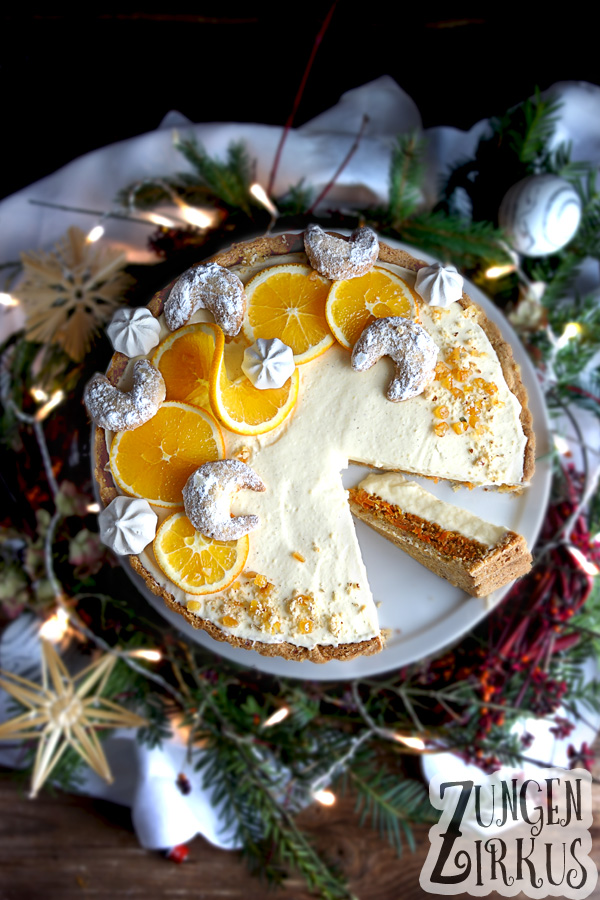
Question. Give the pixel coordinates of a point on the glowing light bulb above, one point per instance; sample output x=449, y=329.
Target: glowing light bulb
x=587, y=565
x=95, y=234
x=55, y=628
x=150, y=655
x=93, y=507
x=572, y=329
x=38, y=394
x=278, y=716
x=324, y=797
x=498, y=271
x=201, y=218
x=414, y=743
x=56, y=398
x=7, y=300
x=562, y=445
x=160, y=220
x=261, y=195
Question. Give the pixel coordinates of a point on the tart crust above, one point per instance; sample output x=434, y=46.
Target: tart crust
x=254, y=253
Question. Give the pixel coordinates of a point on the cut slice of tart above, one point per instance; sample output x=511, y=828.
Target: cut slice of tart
x=452, y=542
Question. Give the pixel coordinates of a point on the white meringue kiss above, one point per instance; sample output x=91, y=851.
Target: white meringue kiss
x=268, y=363
x=134, y=332
x=127, y=525
x=439, y=285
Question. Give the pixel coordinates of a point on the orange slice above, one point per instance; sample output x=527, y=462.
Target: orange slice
x=195, y=563
x=355, y=303
x=184, y=359
x=155, y=460
x=288, y=302
x=237, y=404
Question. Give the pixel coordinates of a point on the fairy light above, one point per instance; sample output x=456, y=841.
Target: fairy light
x=93, y=507
x=278, y=716
x=261, y=195
x=150, y=655
x=198, y=217
x=499, y=271
x=95, y=234
x=7, y=300
x=325, y=797
x=38, y=394
x=572, y=330
x=55, y=628
x=562, y=445
x=587, y=565
x=414, y=743
x=56, y=398
x=163, y=221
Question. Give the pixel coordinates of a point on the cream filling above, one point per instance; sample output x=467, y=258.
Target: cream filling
x=411, y=498
x=306, y=545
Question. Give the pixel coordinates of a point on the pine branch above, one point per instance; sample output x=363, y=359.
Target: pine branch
x=466, y=243
x=392, y=804
x=229, y=181
x=406, y=178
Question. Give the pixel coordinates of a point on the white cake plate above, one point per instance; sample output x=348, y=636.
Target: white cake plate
x=423, y=613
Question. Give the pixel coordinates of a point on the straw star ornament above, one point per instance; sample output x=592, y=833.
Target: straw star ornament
x=65, y=711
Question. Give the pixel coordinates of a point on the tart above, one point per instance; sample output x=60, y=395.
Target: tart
x=303, y=593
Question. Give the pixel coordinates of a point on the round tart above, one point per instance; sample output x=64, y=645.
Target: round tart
x=303, y=593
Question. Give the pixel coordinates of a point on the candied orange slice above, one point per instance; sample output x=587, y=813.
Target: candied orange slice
x=184, y=359
x=155, y=460
x=288, y=302
x=195, y=563
x=355, y=303
x=237, y=404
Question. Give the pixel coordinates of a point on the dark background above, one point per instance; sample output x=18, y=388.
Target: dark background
x=74, y=81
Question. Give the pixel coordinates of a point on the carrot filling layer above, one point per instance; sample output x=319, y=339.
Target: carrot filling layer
x=448, y=543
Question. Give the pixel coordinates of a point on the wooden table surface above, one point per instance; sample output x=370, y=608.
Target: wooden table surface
x=73, y=848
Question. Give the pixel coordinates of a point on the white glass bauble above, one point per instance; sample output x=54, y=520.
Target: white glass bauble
x=540, y=214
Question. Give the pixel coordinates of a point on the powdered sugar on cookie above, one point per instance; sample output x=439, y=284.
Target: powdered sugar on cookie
x=209, y=287
x=207, y=498
x=118, y=410
x=338, y=258
x=409, y=345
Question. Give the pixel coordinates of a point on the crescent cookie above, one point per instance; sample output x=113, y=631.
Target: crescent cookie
x=209, y=287
x=337, y=258
x=409, y=345
x=118, y=410
x=207, y=498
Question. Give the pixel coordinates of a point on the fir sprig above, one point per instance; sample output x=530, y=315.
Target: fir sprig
x=406, y=177
x=228, y=180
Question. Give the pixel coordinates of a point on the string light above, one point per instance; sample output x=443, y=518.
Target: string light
x=572, y=330
x=499, y=271
x=163, y=221
x=150, y=655
x=93, y=507
x=198, y=217
x=278, y=716
x=325, y=797
x=562, y=445
x=7, y=300
x=95, y=234
x=55, y=628
x=587, y=565
x=56, y=398
x=38, y=394
x=414, y=743
x=261, y=195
